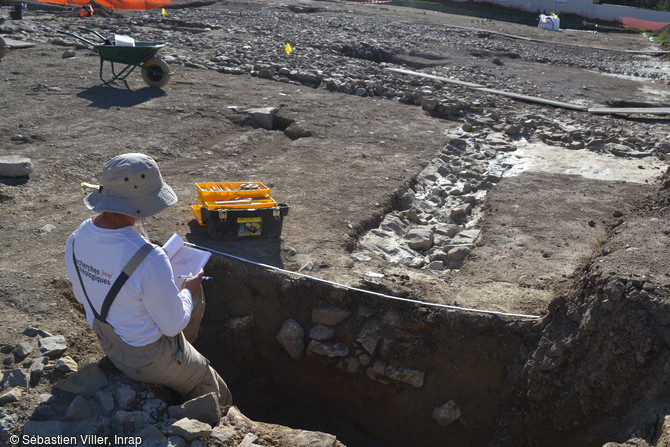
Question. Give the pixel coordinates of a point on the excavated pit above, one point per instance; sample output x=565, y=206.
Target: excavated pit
x=412, y=58
x=380, y=371
x=374, y=370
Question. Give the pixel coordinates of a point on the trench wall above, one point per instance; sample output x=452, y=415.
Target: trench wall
x=600, y=370
x=406, y=373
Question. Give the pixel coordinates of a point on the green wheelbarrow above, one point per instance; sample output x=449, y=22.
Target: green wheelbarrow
x=155, y=71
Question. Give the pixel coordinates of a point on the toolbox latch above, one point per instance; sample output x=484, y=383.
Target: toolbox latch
x=276, y=213
x=223, y=214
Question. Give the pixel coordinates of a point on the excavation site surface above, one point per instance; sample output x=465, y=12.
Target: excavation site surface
x=456, y=264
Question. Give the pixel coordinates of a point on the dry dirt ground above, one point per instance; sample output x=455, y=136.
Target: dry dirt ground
x=537, y=228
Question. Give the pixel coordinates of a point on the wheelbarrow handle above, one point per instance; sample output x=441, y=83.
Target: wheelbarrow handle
x=103, y=38
x=86, y=41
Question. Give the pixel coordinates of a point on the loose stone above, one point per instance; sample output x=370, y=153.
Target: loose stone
x=15, y=165
x=292, y=338
x=52, y=347
x=66, y=364
x=328, y=349
x=330, y=316
x=191, y=429
x=322, y=332
x=447, y=414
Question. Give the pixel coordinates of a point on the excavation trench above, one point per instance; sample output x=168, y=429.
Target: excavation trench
x=311, y=355
x=379, y=371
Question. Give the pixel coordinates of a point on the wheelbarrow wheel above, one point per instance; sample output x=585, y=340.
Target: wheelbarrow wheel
x=155, y=72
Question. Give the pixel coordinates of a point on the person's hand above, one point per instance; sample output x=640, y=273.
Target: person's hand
x=193, y=284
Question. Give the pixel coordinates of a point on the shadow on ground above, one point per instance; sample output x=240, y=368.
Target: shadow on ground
x=105, y=96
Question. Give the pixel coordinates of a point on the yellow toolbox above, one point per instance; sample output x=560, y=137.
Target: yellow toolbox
x=235, y=210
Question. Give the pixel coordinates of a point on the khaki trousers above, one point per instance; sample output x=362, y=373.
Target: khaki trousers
x=169, y=361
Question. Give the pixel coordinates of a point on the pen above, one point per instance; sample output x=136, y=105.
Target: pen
x=192, y=276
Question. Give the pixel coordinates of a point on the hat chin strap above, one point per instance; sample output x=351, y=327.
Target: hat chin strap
x=139, y=222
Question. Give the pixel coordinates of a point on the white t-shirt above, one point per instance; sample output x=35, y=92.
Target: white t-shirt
x=148, y=305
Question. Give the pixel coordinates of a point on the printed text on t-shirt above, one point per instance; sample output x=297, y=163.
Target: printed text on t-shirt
x=93, y=273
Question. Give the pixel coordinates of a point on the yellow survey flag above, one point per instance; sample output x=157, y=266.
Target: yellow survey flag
x=288, y=48
x=163, y=11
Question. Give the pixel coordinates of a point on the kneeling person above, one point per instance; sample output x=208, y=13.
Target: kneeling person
x=144, y=323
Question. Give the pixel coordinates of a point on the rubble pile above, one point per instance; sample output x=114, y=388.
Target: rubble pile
x=98, y=405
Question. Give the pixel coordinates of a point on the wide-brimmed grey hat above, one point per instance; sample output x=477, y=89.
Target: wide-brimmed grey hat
x=131, y=184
